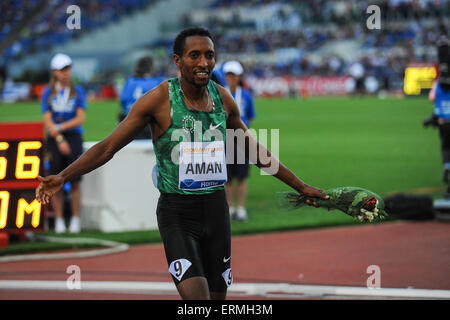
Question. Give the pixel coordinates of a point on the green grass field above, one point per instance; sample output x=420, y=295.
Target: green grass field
x=378, y=144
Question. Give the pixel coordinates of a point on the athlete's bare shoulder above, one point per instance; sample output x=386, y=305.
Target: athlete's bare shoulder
x=156, y=97
x=154, y=106
x=219, y=87
x=151, y=102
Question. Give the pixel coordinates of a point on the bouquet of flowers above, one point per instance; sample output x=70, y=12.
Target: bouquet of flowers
x=357, y=202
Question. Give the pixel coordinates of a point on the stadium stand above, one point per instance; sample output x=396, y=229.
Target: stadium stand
x=324, y=37
x=270, y=38
x=50, y=29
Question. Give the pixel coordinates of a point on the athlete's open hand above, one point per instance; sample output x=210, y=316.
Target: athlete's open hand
x=313, y=192
x=48, y=187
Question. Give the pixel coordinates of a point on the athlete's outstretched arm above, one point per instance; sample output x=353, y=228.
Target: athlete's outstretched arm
x=234, y=121
x=139, y=116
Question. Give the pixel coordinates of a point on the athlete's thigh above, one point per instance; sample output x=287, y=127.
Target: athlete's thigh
x=180, y=231
x=216, y=245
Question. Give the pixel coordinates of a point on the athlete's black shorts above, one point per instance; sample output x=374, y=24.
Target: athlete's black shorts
x=195, y=230
x=59, y=162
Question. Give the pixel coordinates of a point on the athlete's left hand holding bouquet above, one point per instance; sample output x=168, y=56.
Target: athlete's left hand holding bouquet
x=359, y=203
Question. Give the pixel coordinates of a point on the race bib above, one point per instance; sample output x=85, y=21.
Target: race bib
x=202, y=165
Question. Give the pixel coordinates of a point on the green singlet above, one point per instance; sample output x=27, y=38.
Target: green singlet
x=190, y=154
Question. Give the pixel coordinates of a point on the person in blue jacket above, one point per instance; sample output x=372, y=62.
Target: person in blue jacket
x=238, y=172
x=64, y=111
x=218, y=76
x=135, y=87
x=440, y=95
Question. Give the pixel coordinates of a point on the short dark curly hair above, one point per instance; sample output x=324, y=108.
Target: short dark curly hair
x=180, y=40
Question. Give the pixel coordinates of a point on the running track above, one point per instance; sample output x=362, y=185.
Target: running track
x=409, y=255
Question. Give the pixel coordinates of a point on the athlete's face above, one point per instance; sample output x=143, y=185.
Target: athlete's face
x=198, y=60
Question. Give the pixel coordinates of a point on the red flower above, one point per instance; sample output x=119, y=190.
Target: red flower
x=371, y=203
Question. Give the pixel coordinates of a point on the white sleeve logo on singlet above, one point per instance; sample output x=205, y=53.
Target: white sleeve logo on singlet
x=155, y=175
x=178, y=267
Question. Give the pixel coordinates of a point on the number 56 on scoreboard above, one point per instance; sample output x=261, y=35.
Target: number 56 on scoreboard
x=21, y=154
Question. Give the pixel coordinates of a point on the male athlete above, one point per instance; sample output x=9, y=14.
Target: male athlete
x=193, y=216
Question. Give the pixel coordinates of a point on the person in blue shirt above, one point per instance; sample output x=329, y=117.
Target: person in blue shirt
x=440, y=95
x=233, y=71
x=135, y=87
x=64, y=111
x=218, y=76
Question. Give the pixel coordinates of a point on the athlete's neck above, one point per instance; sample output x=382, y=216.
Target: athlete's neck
x=194, y=92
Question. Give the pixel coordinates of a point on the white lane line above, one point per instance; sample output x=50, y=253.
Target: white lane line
x=112, y=247
x=239, y=289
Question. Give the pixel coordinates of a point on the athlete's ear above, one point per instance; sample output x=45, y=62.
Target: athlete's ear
x=176, y=59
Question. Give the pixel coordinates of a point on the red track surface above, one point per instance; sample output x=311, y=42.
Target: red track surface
x=409, y=254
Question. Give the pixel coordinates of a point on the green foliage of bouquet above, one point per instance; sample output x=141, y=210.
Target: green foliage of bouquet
x=359, y=203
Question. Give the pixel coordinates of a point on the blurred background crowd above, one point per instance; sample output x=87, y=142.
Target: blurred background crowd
x=320, y=38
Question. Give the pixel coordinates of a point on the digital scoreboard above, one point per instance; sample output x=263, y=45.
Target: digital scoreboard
x=419, y=77
x=21, y=161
